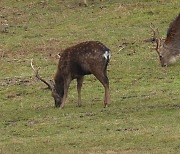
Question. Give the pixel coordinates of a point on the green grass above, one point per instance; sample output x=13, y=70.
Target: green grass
x=144, y=116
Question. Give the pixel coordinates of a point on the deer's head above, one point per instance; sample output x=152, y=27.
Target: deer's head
x=165, y=53
x=168, y=49
x=51, y=85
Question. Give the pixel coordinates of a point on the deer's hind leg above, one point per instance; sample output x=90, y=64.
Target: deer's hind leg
x=102, y=77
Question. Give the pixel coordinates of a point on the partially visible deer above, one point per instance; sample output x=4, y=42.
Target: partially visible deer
x=75, y=62
x=86, y=2
x=169, y=49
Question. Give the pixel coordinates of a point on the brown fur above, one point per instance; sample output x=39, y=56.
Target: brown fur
x=75, y=62
x=173, y=33
x=169, y=50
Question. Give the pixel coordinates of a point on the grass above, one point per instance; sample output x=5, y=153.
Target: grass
x=144, y=112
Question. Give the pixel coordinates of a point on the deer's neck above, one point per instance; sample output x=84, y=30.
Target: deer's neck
x=59, y=83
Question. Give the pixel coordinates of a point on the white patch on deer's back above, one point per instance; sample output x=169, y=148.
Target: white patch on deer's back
x=107, y=54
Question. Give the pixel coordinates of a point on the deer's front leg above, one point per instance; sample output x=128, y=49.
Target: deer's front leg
x=66, y=87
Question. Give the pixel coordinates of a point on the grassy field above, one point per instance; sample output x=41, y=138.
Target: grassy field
x=144, y=116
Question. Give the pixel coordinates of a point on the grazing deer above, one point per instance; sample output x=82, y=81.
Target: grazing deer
x=169, y=49
x=86, y=58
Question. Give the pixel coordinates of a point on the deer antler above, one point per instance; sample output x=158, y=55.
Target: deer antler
x=156, y=36
x=36, y=74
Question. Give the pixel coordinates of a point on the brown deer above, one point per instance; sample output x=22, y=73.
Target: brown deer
x=169, y=49
x=75, y=62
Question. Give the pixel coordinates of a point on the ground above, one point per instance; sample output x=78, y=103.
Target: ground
x=144, y=116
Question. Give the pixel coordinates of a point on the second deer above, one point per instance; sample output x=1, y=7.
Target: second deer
x=169, y=49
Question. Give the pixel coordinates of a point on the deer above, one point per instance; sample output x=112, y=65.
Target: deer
x=91, y=57
x=168, y=49
x=86, y=2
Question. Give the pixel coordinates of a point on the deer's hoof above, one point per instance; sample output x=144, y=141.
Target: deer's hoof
x=57, y=106
x=106, y=105
x=61, y=107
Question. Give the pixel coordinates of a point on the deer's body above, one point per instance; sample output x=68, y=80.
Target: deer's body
x=82, y=59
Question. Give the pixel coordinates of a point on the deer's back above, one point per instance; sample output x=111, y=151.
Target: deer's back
x=81, y=58
x=173, y=34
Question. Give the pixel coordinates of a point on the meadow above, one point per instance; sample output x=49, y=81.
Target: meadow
x=144, y=115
